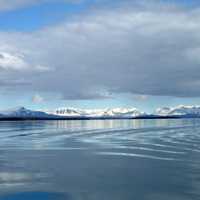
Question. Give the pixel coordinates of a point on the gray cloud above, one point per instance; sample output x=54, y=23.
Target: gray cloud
x=145, y=50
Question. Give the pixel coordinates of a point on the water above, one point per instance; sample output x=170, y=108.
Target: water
x=100, y=160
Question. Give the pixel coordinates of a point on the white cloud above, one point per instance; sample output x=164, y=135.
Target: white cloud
x=12, y=62
x=141, y=97
x=17, y=62
x=37, y=98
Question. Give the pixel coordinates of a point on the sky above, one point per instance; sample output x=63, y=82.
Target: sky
x=99, y=53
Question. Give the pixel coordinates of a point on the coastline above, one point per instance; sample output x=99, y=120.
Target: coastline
x=90, y=118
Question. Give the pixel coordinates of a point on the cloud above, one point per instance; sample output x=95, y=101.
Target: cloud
x=37, y=98
x=7, y=5
x=8, y=61
x=144, y=50
x=17, y=62
x=140, y=97
x=15, y=4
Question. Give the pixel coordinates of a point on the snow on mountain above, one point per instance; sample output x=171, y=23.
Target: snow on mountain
x=115, y=112
x=22, y=112
x=180, y=110
x=163, y=111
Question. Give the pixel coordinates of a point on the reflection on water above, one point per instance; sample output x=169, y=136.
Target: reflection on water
x=102, y=159
x=34, y=195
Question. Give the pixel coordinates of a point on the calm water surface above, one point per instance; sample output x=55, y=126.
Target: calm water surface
x=100, y=160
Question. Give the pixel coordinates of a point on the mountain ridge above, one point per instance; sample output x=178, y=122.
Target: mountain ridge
x=180, y=111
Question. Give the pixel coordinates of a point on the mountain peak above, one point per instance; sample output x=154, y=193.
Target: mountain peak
x=107, y=112
x=180, y=110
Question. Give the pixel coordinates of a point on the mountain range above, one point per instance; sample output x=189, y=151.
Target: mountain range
x=114, y=113
x=181, y=110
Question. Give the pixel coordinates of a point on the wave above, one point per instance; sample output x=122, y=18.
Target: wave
x=137, y=155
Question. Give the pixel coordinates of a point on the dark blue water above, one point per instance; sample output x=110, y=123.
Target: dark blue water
x=100, y=160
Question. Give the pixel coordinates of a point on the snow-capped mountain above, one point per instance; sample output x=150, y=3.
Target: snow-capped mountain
x=180, y=110
x=60, y=113
x=109, y=113
x=23, y=113
x=115, y=112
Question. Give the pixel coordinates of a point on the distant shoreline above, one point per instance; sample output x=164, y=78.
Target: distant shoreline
x=90, y=118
